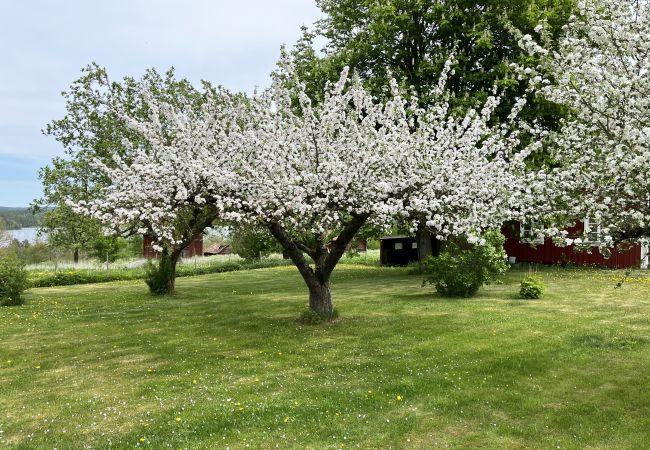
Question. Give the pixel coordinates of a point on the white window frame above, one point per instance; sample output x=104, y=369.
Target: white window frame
x=525, y=234
x=591, y=231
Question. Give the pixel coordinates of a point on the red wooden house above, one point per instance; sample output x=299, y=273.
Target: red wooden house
x=192, y=250
x=524, y=247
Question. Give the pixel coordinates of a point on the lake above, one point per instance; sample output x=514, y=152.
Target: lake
x=26, y=234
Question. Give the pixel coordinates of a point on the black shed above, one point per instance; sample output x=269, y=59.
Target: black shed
x=401, y=250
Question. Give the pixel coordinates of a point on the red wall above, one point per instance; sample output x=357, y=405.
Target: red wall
x=549, y=253
x=194, y=249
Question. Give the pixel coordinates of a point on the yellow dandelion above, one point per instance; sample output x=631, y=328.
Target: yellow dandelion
x=286, y=419
x=178, y=419
x=141, y=439
x=194, y=381
x=399, y=398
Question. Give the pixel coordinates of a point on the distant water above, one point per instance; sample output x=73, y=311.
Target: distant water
x=26, y=234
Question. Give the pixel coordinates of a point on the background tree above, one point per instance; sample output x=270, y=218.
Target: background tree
x=251, y=242
x=67, y=230
x=411, y=40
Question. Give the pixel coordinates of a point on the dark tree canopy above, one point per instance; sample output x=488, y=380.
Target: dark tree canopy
x=411, y=40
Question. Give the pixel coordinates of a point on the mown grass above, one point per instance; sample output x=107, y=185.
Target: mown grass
x=224, y=364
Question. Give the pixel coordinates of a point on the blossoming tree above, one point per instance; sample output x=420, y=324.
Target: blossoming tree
x=315, y=174
x=602, y=155
x=170, y=182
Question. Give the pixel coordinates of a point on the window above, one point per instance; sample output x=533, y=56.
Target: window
x=526, y=233
x=399, y=246
x=591, y=231
x=414, y=245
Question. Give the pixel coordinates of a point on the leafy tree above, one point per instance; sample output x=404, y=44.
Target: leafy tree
x=108, y=248
x=67, y=230
x=251, y=242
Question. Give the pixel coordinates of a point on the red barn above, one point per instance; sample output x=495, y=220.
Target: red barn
x=192, y=250
x=521, y=245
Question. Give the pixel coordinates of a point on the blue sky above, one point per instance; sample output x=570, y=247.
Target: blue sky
x=45, y=43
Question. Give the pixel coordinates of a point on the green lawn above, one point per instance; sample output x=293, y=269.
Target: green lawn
x=224, y=364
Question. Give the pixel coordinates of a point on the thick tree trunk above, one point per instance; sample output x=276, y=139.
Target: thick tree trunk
x=75, y=255
x=318, y=278
x=320, y=298
x=423, y=239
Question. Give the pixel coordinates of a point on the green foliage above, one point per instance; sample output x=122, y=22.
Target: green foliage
x=158, y=277
x=13, y=281
x=411, y=40
x=461, y=269
x=531, y=287
x=29, y=253
x=16, y=218
x=67, y=230
x=109, y=248
x=251, y=242
x=311, y=317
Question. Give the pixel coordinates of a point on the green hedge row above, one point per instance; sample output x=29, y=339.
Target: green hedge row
x=70, y=277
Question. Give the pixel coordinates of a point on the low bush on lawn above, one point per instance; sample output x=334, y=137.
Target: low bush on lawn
x=461, y=269
x=532, y=287
x=13, y=281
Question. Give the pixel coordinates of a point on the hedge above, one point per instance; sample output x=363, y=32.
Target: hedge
x=71, y=277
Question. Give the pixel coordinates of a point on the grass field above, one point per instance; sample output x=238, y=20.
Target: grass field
x=224, y=364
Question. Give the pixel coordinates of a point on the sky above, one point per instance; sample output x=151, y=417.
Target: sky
x=44, y=44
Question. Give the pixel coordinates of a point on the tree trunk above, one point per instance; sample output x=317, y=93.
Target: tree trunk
x=171, y=280
x=75, y=255
x=423, y=239
x=318, y=278
x=320, y=298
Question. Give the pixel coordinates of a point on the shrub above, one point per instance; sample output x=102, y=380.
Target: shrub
x=13, y=281
x=461, y=269
x=531, y=287
x=157, y=277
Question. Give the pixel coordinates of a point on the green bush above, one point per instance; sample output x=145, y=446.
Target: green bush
x=13, y=281
x=461, y=269
x=531, y=287
x=157, y=276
